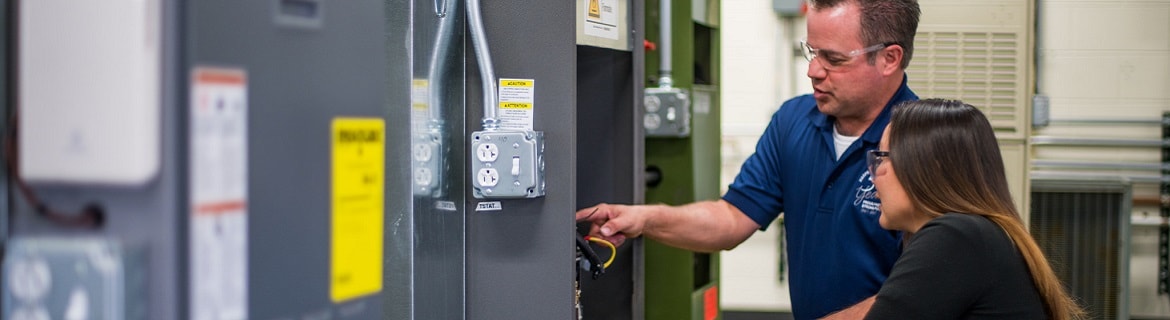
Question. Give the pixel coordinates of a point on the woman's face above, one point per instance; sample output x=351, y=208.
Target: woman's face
x=897, y=211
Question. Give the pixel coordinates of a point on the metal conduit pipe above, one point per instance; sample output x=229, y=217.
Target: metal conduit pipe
x=484, y=58
x=1099, y=165
x=1133, y=178
x=441, y=8
x=1105, y=122
x=1097, y=142
x=439, y=54
x=664, y=51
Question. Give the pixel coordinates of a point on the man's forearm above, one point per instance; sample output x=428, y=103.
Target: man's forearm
x=856, y=311
x=706, y=226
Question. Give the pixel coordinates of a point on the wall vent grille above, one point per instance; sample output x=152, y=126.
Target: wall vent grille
x=1083, y=227
x=984, y=69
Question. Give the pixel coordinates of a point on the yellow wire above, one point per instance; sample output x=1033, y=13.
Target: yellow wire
x=612, y=250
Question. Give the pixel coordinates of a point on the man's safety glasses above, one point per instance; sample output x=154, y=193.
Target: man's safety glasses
x=831, y=59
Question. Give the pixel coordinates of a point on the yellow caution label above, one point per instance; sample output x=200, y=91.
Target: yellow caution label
x=516, y=105
x=527, y=83
x=517, y=98
x=595, y=9
x=357, y=203
x=419, y=93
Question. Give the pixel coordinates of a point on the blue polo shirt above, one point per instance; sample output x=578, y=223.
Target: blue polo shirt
x=838, y=254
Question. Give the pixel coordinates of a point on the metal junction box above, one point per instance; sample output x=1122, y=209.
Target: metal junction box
x=668, y=112
x=508, y=164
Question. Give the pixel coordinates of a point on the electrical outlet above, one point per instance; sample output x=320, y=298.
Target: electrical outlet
x=668, y=113
x=427, y=154
x=507, y=164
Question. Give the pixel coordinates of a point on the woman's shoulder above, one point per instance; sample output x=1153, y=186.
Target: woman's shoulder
x=965, y=220
x=967, y=226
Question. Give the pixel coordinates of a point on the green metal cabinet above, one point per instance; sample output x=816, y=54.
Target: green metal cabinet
x=681, y=284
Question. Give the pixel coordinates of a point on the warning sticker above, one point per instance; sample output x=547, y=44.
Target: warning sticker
x=516, y=103
x=419, y=105
x=219, y=193
x=419, y=93
x=601, y=18
x=358, y=173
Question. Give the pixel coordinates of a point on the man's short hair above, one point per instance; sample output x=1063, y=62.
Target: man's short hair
x=883, y=21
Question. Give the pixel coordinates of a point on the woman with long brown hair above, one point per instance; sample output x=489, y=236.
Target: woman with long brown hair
x=941, y=179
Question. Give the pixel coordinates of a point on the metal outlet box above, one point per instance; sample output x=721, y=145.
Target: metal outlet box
x=507, y=164
x=668, y=112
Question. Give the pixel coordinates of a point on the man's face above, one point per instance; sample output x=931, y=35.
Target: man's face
x=851, y=88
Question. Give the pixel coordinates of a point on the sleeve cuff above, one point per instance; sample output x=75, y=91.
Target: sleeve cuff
x=749, y=208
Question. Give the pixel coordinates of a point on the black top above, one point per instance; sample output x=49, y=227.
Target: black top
x=959, y=266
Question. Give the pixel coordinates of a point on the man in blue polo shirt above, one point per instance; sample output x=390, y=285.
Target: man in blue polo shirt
x=809, y=164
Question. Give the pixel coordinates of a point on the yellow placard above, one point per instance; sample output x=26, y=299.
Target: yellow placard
x=517, y=83
x=357, y=203
x=516, y=105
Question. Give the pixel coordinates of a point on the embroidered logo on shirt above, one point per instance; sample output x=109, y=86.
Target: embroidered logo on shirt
x=866, y=197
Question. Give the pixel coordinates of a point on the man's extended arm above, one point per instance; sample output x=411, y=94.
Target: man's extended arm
x=705, y=226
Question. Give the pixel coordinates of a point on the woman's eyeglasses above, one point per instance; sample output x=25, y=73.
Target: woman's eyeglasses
x=874, y=159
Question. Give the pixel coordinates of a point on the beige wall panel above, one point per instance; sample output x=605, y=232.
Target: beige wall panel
x=1012, y=15
x=1128, y=74
x=1106, y=25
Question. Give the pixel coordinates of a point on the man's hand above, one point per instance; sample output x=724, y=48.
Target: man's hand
x=614, y=223
x=705, y=226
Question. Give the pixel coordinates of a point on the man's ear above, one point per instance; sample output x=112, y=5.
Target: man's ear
x=891, y=59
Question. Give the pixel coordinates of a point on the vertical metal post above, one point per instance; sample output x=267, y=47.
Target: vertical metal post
x=1164, y=229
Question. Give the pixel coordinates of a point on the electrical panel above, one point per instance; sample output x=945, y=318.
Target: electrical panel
x=507, y=164
x=667, y=112
x=200, y=136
